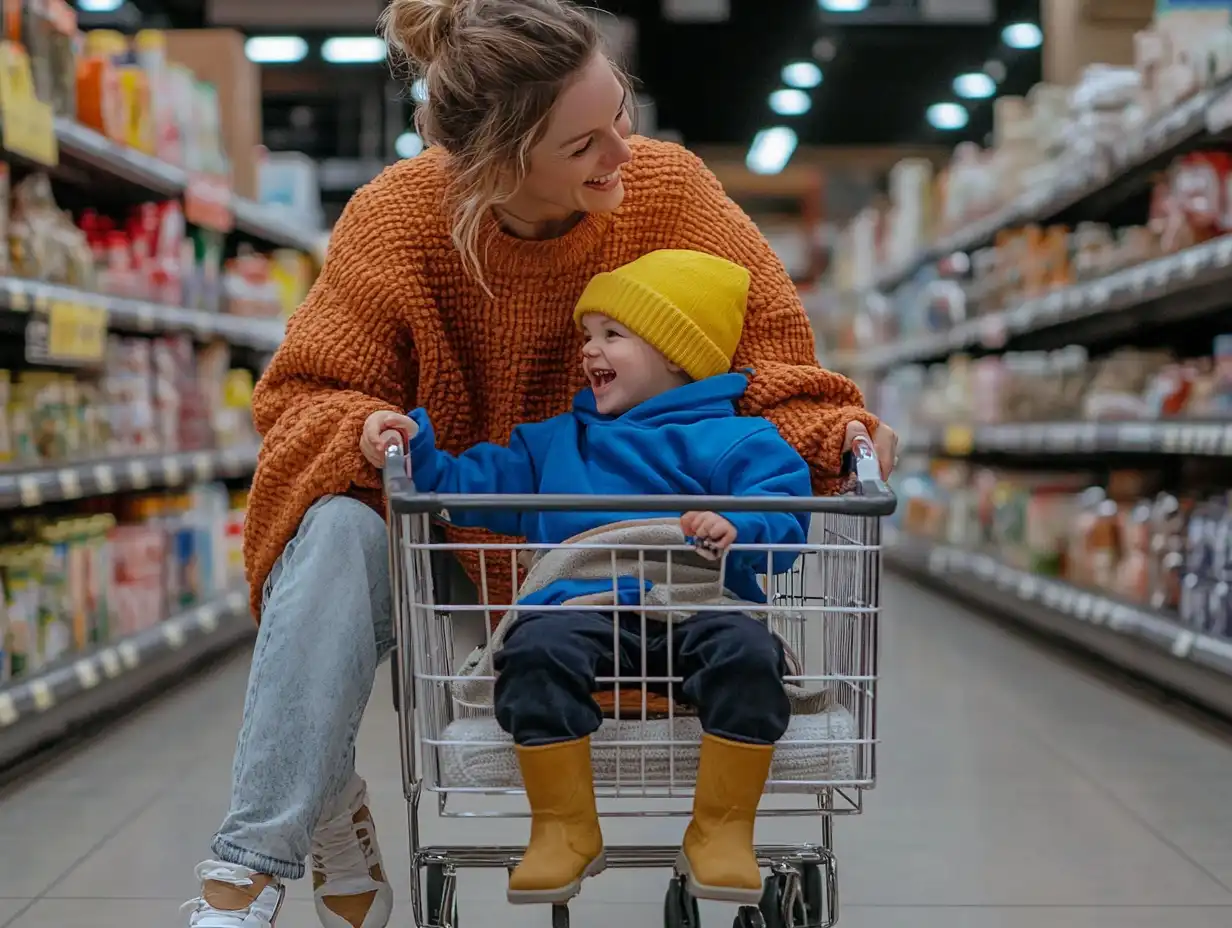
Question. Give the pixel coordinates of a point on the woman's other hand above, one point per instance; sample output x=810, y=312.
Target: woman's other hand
x=381, y=430
x=885, y=444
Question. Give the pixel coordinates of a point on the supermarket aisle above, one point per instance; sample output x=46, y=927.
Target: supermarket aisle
x=1014, y=792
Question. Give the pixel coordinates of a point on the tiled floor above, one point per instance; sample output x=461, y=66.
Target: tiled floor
x=1014, y=791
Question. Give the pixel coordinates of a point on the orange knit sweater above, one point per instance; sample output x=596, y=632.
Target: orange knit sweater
x=394, y=321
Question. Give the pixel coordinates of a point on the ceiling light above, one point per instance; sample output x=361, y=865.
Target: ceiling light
x=947, y=116
x=419, y=90
x=843, y=6
x=275, y=49
x=771, y=150
x=975, y=86
x=99, y=6
x=358, y=49
x=408, y=145
x=802, y=74
x=1022, y=35
x=790, y=102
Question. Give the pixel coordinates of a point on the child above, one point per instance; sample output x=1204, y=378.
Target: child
x=659, y=417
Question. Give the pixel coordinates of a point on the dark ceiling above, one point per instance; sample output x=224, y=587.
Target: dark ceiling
x=711, y=81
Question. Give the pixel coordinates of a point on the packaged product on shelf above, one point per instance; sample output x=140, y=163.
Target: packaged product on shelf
x=249, y=286
x=44, y=243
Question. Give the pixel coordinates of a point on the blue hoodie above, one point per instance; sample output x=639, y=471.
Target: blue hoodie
x=689, y=440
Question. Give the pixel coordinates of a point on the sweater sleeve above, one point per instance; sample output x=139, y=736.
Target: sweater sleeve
x=810, y=405
x=347, y=353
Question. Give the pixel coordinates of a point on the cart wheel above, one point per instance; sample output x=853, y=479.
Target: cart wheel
x=749, y=917
x=812, y=886
x=774, y=895
x=679, y=907
x=438, y=883
x=560, y=916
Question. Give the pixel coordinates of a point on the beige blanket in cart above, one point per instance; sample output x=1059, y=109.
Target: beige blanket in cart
x=687, y=582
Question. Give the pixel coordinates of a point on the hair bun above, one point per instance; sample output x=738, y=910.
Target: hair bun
x=420, y=29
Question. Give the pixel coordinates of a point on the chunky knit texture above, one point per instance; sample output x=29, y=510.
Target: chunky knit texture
x=394, y=321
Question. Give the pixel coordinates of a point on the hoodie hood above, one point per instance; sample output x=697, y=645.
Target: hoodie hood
x=694, y=402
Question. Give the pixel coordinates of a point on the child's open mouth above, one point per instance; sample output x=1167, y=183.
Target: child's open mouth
x=600, y=378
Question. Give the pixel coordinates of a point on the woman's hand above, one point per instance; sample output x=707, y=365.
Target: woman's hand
x=885, y=444
x=381, y=430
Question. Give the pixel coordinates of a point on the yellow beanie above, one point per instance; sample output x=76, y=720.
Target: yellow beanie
x=687, y=304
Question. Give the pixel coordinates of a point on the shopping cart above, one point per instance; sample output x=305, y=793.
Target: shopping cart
x=824, y=608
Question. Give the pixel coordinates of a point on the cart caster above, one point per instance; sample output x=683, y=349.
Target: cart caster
x=560, y=916
x=793, y=897
x=679, y=907
x=749, y=917
x=441, y=897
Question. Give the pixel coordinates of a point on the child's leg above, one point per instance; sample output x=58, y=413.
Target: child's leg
x=545, y=680
x=732, y=668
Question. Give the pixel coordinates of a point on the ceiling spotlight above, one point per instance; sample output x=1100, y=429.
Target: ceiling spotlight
x=790, y=102
x=419, y=90
x=275, y=49
x=357, y=49
x=408, y=145
x=843, y=6
x=99, y=6
x=975, y=86
x=802, y=74
x=947, y=116
x=771, y=150
x=1022, y=35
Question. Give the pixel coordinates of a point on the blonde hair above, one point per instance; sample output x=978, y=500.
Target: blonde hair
x=493, y=70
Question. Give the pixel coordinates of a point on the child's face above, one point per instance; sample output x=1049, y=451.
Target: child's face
x=624, y=370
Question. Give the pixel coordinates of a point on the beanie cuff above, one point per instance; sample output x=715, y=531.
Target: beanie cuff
x=656, y=321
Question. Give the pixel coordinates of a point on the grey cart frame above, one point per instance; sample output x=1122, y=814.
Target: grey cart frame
x=833, y=586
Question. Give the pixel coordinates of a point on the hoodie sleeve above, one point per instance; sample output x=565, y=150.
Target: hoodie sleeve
x=485, y=468
x=764, y=464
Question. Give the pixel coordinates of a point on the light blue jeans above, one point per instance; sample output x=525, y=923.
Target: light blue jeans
x=325, y=627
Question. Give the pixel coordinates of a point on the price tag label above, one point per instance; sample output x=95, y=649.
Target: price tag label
x=207, y=202
x=958, y=440
x=70, y=483
x=129, y=655
x=111, y=663
x=1184, y=644
x=173, y=473
x=147, y=317
x=174, y=634
x=31, y=492
x=77, y=332
x=138, y=476
x=207, y=619
x=87, y=674
x=29, y=128
x=203, y=467
x=8, y=711
x=104, y=476
x=44, y=698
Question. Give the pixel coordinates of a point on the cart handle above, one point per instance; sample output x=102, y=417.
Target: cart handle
x=872, y=497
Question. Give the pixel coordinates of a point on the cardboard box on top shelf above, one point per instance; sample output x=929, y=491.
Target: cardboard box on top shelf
x=217, y=56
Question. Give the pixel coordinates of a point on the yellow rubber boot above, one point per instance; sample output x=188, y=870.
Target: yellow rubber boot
x=566, y=845
x=717, y=859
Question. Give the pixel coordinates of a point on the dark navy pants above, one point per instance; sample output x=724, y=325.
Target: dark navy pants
x=731, y=665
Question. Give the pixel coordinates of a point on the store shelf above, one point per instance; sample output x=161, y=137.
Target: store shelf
x=83, y=146
x=36, y=710
x=36, y=486
x=1208, y=439
x=141, y=316
x=1128, y=168
x=1148, y=643
x=1185, y=284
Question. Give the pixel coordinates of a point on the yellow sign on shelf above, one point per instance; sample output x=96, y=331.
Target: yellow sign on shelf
x=959, y=440
x=27, y=125
x=76, y=332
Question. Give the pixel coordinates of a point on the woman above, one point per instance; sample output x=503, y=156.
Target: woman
x=450, y=284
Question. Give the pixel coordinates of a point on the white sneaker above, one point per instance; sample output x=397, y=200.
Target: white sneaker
x=234, y=897
x=348, y=878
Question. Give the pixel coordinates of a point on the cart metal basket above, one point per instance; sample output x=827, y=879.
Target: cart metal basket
x=824, y=608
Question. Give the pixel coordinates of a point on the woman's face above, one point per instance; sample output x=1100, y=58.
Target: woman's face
x=575, y=167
